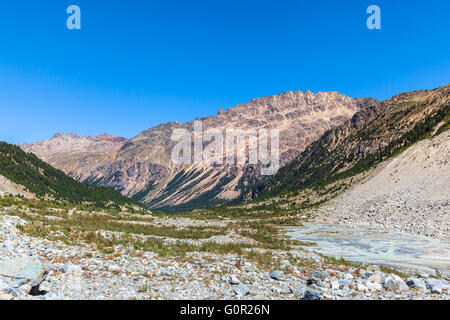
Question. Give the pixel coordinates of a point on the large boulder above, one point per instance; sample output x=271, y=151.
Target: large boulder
x=25, y=274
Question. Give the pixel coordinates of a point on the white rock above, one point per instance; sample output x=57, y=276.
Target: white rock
x=377, y=277
x=233, y=280
x=4, y=287
x=416, y=283
x=71, y=268
x=285, y=263
x=395, y=283
x=361, y=287
x=348, y=276
x=241, y=290
x=374, y=286
x=335, y=285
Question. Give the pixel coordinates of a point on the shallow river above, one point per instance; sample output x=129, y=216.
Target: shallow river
x=396, y=249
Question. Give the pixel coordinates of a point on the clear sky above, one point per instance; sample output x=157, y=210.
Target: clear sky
x=135, y=63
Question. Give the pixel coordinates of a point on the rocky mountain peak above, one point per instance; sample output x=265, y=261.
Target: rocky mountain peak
x=64, y=135
x=142, y=166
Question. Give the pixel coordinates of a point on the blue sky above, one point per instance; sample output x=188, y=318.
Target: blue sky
x=139, y=63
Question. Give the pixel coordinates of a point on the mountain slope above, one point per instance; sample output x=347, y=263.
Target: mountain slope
x=44, y=181
x=142, y=168
x=77, y=156
x=409, y=193
x=371, y=136
x=11, y=188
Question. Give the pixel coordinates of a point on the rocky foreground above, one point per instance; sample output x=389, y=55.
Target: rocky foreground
x=39, y=269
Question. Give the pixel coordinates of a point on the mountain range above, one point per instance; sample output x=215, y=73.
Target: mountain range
x=324, y=137
x=141, y=167
x=371, y=136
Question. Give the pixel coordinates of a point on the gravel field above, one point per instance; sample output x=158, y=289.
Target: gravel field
x=35, y=268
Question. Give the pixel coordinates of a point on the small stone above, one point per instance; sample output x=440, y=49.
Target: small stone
x=26, y=288
x=351, y=270
x=280, y=290
x=70, y=268
x=436, y=290
x=374, y=286
x=299, y=290
x=335, y=285
x=6, y=296
x=285, y=263
x=332, y=273
x=4, y=287
x=416, y=283
x=115, y=269
x=377, y=277
x=361, y=287
x=437, y=285
x=316, y=278
x=319, y=274
x=311, y=295
x=311, y=281
x=233, y=280
x=348, y=276
x=278, y=275
x=344, y=283
x=241, y=290
x=373, y=268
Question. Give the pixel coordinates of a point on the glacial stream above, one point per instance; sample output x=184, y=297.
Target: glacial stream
x=395, y=249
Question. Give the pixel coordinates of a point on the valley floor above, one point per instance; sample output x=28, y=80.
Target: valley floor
x=88, y=271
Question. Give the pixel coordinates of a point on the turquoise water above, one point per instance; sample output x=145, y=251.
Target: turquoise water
x=395, y=249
